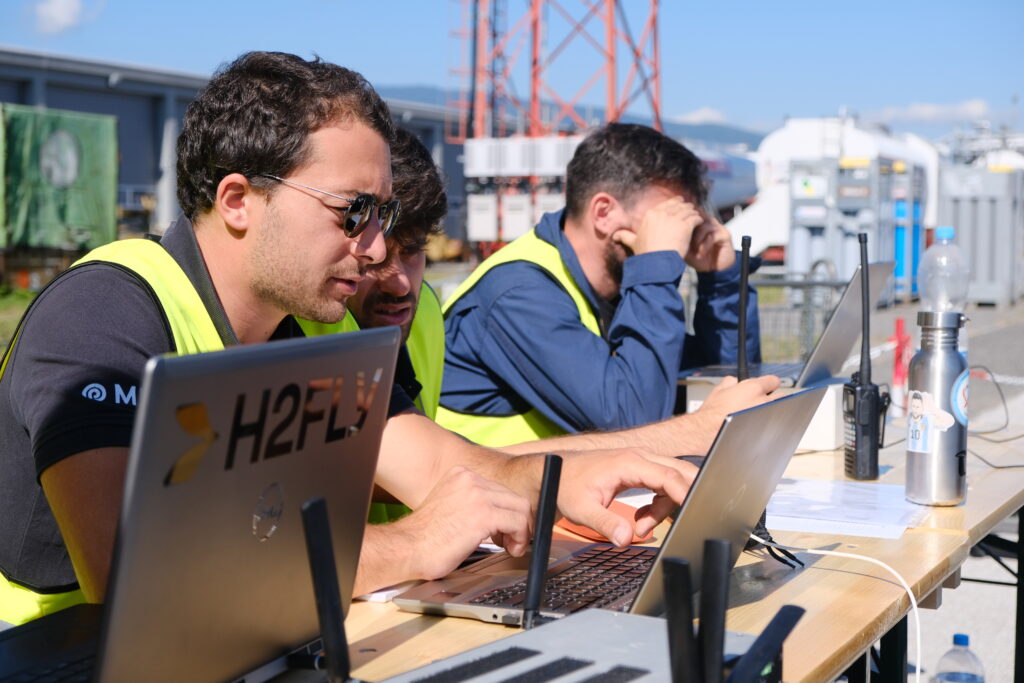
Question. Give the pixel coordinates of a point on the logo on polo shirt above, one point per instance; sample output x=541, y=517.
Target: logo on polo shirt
x=97, y=392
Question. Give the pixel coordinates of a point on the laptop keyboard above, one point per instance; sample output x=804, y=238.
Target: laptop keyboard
x=597, y=577
x=76, y=670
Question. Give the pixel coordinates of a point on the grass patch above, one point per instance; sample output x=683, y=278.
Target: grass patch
x=771, y=296
x=13, y=303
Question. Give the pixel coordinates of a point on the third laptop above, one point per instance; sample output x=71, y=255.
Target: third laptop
x=833, y=347
x=731, y=490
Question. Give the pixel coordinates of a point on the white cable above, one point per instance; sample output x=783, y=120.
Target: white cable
x=903, y=582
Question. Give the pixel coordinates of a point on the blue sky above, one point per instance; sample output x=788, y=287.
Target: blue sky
x=912, y=64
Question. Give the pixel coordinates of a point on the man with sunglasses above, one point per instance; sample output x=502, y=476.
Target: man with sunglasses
x=285, y=184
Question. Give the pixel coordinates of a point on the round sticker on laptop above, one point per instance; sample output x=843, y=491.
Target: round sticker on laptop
x=266, y=517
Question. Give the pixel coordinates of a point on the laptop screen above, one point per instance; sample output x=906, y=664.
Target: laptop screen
x=210, y=577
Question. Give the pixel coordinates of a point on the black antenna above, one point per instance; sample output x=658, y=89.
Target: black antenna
x=683, y=658
x=714, y=598
x=545, y=520
x=865, y=311
x=320, y=549
x=742, y=366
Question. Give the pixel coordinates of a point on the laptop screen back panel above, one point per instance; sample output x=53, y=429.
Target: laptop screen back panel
x=843, y=328
x=732, y=488
x=212, y=578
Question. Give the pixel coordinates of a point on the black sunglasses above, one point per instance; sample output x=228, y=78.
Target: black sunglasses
x=359, y=210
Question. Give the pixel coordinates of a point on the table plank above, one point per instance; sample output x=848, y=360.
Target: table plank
x=850, y=603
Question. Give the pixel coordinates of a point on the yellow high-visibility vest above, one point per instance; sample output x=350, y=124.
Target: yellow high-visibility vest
x=503, y=430
x=193, y=331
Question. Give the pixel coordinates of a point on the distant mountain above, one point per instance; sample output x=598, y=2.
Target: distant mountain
x=714, y=134
x=426, y=94
x=710, y=134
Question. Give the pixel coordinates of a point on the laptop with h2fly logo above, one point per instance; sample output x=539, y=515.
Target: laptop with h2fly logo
x=210, y=578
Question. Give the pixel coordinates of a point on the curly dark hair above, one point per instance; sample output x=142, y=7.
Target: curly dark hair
x=417, y=183
x=256, y=114
x=623, y=159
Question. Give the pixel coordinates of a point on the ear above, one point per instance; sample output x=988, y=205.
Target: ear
x=234, y=201
x=605, y=213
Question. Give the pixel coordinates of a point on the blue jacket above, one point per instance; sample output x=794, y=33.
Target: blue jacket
x=515, y=340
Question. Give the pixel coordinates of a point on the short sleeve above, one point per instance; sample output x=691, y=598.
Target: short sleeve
x=79, y=359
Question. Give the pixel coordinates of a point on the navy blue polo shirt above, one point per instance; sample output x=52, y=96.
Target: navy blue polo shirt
x=515, y=340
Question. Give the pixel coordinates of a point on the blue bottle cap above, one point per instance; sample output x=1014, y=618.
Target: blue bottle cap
x=945, y=232
x=960, y=639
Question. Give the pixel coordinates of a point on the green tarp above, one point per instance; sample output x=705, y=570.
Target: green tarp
x=59, y=186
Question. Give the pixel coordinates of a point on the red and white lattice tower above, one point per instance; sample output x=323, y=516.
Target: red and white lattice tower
x=576, y=43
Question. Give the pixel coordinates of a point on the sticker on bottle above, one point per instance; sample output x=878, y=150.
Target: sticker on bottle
x=924, y=417
x=958, y=397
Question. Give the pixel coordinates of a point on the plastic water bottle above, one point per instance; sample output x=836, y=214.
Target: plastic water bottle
x=942, y=278
x=959, y=664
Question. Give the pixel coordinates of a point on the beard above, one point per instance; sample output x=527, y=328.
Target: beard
x=615, y=255
x=277, y=276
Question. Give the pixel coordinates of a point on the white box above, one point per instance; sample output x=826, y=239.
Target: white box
x=825, y=433
x=480, y=158
x=550, y=157
x=515, y=157
x=482, y=217
x=544, y=202
x=516, y=216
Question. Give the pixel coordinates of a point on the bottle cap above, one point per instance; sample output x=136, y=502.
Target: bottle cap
x=945, y=232
x=960, y=639
x=950, y=319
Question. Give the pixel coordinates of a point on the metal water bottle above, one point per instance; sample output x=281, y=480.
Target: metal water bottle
x=937, y=413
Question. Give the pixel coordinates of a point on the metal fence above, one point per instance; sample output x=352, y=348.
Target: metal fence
x=793, y=308
x=793, y=311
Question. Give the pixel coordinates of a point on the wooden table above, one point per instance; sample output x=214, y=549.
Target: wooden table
x=850, y=604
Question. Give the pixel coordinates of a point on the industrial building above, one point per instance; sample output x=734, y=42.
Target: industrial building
x=149, y=105
x=822, y=181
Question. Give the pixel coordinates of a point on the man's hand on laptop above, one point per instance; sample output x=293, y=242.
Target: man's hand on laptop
x=731, y=396
x=462, y=511
x=590, y=481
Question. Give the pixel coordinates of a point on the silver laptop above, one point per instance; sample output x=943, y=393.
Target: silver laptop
x=834, y=345
x=210, y=579
x=731, y=490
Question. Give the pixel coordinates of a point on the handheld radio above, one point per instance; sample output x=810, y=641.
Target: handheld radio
x=864, y=407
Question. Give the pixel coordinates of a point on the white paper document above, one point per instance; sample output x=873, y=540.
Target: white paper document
x=842, y=507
